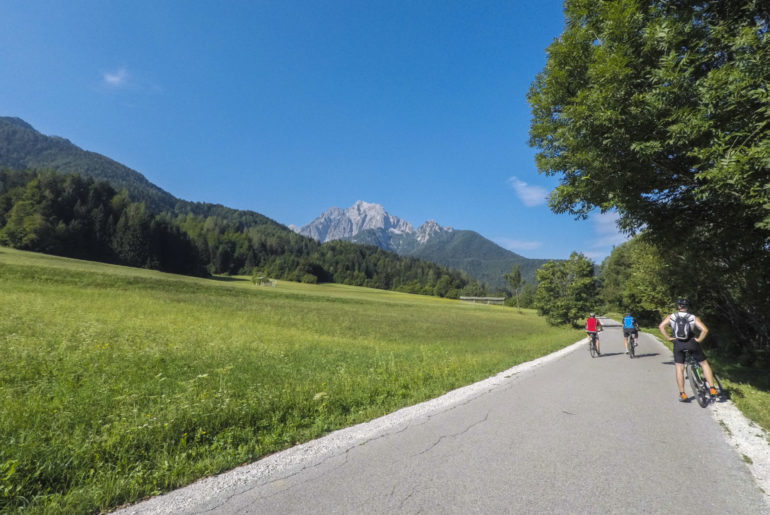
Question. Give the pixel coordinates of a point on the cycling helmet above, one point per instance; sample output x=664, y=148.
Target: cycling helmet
x=592, y=314
x=628, y=314
x=683, y=303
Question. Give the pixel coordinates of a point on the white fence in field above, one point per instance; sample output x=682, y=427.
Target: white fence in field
x=484, y=300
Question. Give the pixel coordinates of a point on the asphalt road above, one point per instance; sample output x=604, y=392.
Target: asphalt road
x=567, y=434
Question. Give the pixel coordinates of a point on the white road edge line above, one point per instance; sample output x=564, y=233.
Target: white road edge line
x=311, y=453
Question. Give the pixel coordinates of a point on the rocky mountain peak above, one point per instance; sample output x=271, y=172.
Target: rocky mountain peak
x=429, y=229
x=365, y=215
x=338, y=224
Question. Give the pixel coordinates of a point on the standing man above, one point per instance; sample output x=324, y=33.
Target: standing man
x=683, y=326
x=629, y=327
x=593, y=326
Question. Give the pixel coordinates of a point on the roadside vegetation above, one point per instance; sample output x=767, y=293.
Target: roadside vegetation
x=119, y=383
x=657, y=112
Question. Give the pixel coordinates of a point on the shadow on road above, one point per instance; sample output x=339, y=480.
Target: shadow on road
x=648, y=355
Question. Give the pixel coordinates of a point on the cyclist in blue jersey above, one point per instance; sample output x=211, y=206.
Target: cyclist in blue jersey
x=629, y=327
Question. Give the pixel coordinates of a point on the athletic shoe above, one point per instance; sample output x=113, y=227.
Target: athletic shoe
x=683, y=397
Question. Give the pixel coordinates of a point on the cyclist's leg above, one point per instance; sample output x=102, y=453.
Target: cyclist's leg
x=680, y=376
x=679, y=367
x=707, y=372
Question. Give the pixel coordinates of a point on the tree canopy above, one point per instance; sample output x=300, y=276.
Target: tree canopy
x=661, y=111
x=566, y=290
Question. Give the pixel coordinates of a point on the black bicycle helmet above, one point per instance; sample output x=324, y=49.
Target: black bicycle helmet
x=683, y=303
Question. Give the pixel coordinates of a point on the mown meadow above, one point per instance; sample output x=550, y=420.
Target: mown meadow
x=119, y=383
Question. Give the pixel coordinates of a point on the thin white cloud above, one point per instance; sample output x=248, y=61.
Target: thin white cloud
x=606, y=236
x=116, y=78
x=606, y=229
x=518, y=245
x=530, y=195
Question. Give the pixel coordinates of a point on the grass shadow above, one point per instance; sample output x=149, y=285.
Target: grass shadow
x=226, y=278
x=738, y=373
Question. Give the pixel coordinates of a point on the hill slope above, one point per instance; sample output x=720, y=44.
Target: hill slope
x=22, y=147
x=47, y=204
x=479, y=257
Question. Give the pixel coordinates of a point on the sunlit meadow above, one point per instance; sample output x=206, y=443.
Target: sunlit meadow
x=118, y=383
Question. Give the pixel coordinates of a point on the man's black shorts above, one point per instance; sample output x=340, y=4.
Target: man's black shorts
x=629, y=332
x=681, y=345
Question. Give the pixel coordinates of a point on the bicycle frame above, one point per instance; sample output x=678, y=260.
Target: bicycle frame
x=693, y=373
x=592, y=344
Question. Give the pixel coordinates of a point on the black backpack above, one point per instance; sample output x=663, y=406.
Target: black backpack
x=681, y=326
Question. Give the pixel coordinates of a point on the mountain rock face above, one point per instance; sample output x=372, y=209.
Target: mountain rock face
x=429, y=229
x=339, y=224
x=369, y=224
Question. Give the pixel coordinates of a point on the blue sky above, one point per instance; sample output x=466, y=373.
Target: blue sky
x=290, y=107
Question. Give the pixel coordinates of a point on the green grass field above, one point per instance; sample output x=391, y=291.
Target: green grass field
x=118, y=383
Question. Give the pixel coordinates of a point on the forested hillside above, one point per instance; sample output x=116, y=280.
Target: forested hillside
x=148, y=227
x=479, y=257
x=68, y=215
x=22, y=148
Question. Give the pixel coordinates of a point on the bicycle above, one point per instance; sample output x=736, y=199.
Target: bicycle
x=631, y=345
x=592, y=344
x=694, y=374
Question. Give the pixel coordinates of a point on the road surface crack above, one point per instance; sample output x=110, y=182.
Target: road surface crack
x=453, y=435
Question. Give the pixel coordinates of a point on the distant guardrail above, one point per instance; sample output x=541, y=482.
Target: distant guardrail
x=484, y=300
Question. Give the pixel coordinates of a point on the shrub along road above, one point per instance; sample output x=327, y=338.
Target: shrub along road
x=566, y=433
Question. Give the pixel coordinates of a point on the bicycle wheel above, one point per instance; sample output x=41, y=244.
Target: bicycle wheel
x=718, y=386
x=592, y=346
x=698, y=388
x=631, y=345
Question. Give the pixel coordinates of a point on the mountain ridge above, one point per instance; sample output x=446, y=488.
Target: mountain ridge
x=22, y=147
x=369, y=223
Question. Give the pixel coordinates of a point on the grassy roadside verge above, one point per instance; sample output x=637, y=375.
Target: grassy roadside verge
x=117, y=383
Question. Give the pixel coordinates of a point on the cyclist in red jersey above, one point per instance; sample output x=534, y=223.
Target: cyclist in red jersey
x=594, y=326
